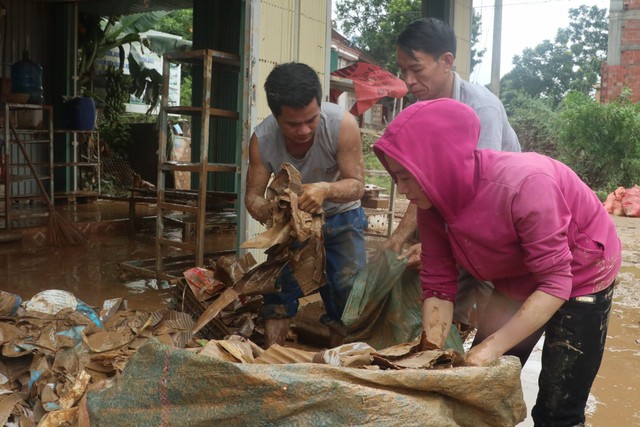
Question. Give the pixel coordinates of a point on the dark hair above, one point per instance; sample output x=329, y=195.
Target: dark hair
x=428, y=35
x=293, y=85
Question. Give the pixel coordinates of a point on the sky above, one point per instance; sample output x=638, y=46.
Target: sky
x=525, y=23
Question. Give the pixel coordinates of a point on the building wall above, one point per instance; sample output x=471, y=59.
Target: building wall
x=462, y=22
x=289, y=30
x=622, y=68
x=279, y=31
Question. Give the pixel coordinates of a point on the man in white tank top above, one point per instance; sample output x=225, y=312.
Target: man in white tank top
x=323, y=142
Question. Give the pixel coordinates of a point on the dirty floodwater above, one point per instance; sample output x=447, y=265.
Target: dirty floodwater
x=92, y=274
x=616, y=400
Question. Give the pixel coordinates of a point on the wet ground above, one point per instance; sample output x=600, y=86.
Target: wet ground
x=92, y=274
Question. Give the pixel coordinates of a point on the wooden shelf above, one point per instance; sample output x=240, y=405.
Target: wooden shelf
x=196, y=204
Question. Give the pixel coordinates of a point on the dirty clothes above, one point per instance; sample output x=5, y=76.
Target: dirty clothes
x=9, y=304
x=343, y=236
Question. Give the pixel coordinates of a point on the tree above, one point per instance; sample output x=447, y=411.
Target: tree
x=535, y=123
x=571, y=62
x=476, y=55
x=374, y=26
x=179, y=22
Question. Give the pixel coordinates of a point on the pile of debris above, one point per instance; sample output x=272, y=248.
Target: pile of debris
x=293, y=238
x=54, y=346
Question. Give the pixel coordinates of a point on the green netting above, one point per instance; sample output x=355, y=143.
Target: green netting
x=385, y=306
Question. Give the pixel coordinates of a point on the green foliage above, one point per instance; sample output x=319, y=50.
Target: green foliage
x=179, y=22
x=476, y=55
x=185, y=89
x=99, y=35
x=374, y=26
x=535, y=123
x=371, y=162
x=114, y=130
x=601, y=142
x=571, y=62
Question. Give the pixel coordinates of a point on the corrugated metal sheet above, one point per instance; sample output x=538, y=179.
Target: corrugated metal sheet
x=23, y=28
x=313, y=35
x=276, y=42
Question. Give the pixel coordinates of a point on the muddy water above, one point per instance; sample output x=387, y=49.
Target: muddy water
x=615, y=390
x=91, y=272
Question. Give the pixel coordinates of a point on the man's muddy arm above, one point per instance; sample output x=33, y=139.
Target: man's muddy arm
x=257, y=179
x=403, y=231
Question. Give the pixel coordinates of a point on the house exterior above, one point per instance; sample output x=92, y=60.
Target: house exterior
x=343, y=54
x=622, y=68
x=263, y=32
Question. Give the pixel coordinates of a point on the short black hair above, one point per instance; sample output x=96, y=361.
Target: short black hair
x=428, y=35
x=292, y=84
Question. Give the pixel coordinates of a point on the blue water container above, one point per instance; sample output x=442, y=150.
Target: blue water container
x=26, y=77
x=80, y=113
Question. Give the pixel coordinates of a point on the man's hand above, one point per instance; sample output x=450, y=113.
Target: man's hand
x=313, y=196
x=413, y=256
x=392, y=244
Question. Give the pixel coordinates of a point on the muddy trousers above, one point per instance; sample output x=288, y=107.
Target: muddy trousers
x=571, y=354
x=343, y=236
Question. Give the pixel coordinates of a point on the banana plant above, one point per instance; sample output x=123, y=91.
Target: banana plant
x=99, y=35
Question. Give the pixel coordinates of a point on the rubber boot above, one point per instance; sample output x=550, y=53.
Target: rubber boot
x=275, y=331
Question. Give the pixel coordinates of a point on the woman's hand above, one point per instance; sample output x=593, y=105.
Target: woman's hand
x=531, y=316
x=482, y=354
x=437, y=315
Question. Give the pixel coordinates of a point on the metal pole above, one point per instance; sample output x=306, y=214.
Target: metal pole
x=494, y=85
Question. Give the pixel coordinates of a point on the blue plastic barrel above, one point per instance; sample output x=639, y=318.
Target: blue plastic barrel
x=80, y=113
x=26, y=77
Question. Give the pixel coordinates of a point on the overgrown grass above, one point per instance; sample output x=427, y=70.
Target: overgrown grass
x=371, y=162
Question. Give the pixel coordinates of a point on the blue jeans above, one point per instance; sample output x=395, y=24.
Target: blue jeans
x=571, y=355
x=343, y=236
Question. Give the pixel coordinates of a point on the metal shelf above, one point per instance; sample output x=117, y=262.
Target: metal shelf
x=81, y=152
x=36, y=137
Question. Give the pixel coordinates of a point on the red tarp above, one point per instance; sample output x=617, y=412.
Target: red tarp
x=371, y=83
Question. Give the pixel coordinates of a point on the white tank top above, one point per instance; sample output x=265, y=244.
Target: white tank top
x=319, y=164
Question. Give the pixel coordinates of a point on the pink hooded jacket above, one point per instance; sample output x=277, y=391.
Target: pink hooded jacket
x=524, y=221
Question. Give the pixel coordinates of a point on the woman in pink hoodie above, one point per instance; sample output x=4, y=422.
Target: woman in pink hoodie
x=523, y=221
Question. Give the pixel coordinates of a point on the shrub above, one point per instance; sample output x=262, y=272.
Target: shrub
x=601, y=142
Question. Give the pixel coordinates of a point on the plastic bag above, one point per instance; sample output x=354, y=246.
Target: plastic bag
x=631, y=201
x=385, y=306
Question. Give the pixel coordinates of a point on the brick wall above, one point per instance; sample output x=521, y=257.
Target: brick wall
x=615, y=78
